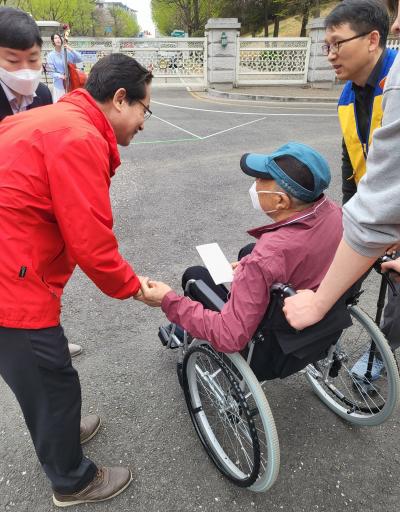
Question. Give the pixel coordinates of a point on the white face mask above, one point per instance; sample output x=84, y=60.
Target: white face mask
x=255, y=200
x=23, y=81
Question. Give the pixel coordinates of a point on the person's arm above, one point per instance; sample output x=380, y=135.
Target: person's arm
x=73, y=56
x=349, y=187
x=371, y=219
x=53, y=67
x=79, y=180
x=308, y=307
x=232, y=328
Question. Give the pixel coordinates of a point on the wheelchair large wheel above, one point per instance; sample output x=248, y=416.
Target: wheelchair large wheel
x=231, y=416
x=362, y=398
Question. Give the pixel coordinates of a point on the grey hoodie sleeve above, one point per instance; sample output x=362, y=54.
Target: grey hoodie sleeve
x=371, y=219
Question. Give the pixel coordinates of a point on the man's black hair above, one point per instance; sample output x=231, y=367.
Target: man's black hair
x=18, y=30
x=117, y=71
x=296, y=170
x=362, y=16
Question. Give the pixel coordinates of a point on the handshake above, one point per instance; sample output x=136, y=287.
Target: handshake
x=152, y=292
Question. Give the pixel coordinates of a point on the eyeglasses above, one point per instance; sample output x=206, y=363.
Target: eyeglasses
x=147, y=111
x=335, y=47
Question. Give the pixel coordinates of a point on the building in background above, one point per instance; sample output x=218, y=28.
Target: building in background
x=100, y=4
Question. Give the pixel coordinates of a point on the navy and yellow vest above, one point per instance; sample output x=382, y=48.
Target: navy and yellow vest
x=358, y=150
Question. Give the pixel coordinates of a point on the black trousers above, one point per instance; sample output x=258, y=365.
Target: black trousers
x=199, y=272
x=36, y=364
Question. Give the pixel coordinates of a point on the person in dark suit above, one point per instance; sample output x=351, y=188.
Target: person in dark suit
x=20, y=72
x=20, y=63
x=43, y=97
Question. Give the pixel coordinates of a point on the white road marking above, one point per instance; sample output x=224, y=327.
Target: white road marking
x=177, y=127
x=234, y=128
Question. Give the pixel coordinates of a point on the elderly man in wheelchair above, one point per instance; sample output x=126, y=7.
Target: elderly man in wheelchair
x=220, y=369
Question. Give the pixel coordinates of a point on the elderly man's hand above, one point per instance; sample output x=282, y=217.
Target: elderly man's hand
x=153, y=292
x=301, y=309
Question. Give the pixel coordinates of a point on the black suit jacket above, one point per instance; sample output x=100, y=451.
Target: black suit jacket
x=43, y=97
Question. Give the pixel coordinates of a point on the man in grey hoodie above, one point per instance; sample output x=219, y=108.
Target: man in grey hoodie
x=371, y=219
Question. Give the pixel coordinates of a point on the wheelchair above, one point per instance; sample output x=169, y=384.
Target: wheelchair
x=225, y=397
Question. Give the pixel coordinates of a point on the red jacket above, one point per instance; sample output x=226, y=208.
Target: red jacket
x=56, y=163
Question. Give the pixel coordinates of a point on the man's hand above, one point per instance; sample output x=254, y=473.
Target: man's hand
x=139, y=295
x=153, y=292
x=392, y=265
x=301, y=310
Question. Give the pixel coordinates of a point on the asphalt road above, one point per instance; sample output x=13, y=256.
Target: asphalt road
x=180, y=185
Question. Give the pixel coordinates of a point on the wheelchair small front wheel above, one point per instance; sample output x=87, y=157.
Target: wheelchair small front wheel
x=359, y=380
x=231, y=416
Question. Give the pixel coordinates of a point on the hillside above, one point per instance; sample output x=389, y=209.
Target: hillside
x=290, y=27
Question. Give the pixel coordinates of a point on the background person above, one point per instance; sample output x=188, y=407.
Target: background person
x=55, y=213
x=56, y=62
x=356, y=35
x=20, y=63
x=371, y=219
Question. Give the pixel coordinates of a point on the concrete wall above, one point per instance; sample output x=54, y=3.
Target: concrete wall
x=221, y=62
x=320, y=72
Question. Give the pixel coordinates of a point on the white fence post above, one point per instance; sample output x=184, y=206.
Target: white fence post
x=221, y=50
x=320, y=72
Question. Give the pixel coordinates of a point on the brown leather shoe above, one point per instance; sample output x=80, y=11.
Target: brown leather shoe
x=108, y=482
x=89, y=427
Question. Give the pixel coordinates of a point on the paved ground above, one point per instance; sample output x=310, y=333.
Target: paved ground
x=180, y=185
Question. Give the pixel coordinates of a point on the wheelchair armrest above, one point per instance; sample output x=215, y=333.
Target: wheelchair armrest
x=205, y=295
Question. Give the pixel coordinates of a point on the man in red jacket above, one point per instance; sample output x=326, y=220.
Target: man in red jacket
x=55, y=213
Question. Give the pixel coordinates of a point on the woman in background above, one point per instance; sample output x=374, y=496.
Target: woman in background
x=55, y=61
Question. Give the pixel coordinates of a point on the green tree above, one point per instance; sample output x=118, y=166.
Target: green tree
x=188, y=15
x=77, y=13
x=166, y=17
x=124, y=24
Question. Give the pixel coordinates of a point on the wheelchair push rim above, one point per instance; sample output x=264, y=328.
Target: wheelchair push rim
x=363, y=399
x=225, y=403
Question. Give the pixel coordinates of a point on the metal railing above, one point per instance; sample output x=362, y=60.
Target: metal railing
x=173, y=61
x=263, y=60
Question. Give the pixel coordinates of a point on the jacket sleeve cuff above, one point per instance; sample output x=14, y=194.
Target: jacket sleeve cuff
x=168, y=301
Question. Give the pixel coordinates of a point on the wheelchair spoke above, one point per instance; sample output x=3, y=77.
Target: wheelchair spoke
x=360, y=382
x=219, y=408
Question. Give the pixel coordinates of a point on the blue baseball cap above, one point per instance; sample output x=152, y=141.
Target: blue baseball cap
x=265, y=167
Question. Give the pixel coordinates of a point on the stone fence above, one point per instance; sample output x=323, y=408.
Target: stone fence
x=221, y=57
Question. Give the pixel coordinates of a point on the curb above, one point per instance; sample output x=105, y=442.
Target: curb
x=213, y=93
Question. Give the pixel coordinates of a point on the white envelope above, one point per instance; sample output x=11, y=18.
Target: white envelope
x=215, y=261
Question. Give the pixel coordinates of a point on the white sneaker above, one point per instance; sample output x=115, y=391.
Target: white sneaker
x=74, y=349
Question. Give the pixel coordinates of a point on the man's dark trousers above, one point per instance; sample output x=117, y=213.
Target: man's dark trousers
x=36, y=364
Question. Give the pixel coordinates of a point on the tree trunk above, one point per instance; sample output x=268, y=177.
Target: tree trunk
x=276, y=26
x=196, y=15
x=306, y=15
x=266, y=17
x=317, y=10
